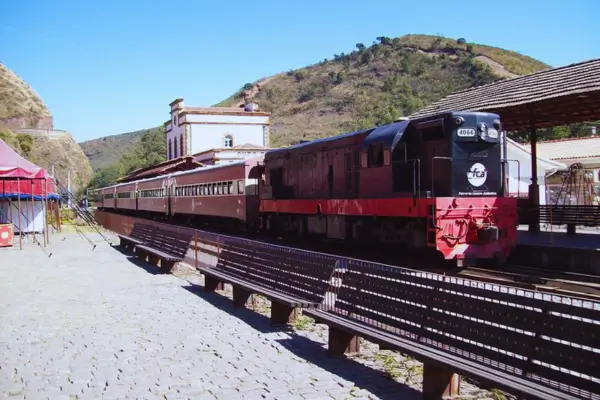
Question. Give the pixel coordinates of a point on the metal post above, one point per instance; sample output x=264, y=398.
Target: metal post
x=534, y=189
x=69, y=189
x=19, y=214
x=44, y=211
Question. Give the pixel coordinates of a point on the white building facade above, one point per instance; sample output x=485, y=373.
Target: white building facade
x=233, y=133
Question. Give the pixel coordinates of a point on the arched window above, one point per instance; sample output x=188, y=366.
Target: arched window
x=182, y=146
x=170, y=150
x=228, y=141
x=174, y=147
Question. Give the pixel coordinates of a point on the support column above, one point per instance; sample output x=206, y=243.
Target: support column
x=439, y=382
x=534, y=188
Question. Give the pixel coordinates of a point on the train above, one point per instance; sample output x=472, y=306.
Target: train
x=436, y=183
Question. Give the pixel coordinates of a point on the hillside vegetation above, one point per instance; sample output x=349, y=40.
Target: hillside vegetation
x=107, y=151
x=376, y=84
x=150, y=149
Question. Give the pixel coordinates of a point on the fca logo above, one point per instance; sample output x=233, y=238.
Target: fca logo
x=477, y=175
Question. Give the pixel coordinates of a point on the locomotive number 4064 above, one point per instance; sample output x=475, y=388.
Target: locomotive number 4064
x=465, y=132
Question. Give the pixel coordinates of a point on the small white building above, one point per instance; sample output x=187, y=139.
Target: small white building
x=225, y=130
x=519, y=171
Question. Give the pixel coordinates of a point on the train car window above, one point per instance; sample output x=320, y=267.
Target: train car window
x=240, y=187
x=386, y=157
x=375, y=155
x=230, y=187
x=213, y=191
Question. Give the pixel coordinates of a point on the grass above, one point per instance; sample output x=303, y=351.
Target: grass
x=514, y=62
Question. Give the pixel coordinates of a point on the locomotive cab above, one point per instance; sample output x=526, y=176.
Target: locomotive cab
x=470, y=216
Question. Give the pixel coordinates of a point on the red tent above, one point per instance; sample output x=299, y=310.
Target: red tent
x=21, y=177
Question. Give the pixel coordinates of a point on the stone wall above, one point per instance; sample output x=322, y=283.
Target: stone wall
x=17, y=123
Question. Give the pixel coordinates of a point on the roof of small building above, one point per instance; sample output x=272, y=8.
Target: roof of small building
x=585, y=150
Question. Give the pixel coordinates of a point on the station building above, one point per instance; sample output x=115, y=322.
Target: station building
x=216, y=135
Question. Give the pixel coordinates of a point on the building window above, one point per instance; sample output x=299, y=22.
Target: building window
x=174, y=147
x=174, y=120
x=182, y=146
x=228, y=141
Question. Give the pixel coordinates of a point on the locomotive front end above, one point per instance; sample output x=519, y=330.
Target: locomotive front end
x=477, y=222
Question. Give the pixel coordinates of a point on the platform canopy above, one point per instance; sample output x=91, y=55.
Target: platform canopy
x=19, y=177
x=548, y=98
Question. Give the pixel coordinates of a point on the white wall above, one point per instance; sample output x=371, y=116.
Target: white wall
x=175, y=134
x=32, y=216
x=206, y=136
x=519, y=171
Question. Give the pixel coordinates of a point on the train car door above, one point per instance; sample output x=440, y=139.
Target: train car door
x=167, y=192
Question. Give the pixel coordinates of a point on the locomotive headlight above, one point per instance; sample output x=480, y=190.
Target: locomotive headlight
x=483, y=130
x=459, y=121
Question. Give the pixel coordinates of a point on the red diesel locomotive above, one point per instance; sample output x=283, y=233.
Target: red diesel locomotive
x=434, y=183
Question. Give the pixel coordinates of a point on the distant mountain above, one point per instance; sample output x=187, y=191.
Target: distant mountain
x=106, y=151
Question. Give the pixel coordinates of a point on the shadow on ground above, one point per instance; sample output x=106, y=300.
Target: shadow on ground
x=130, y=256
x=363, y=376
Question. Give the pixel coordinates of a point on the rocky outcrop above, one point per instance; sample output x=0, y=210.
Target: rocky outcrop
x=20, y=106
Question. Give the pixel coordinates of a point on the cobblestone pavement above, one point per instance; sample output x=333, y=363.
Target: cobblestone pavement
x=99, y=325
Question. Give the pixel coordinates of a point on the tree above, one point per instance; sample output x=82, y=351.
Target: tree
x=360, y=46
x=384, y=40
x=339, y=78
x=461, y=41
x=150, y=150
x=25, y=143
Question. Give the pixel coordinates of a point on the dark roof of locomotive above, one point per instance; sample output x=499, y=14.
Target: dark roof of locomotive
x=388, y=135
x=318, y=141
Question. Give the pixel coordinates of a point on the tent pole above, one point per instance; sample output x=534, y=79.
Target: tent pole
x=32, y=204
x=19, y=213
x=44, y=212
x=12, y=218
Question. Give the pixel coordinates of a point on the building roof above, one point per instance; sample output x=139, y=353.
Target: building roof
x=585, y=150
x=166, y=167
x=551, y=97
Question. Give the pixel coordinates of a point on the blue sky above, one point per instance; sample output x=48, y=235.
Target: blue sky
x=111, y=66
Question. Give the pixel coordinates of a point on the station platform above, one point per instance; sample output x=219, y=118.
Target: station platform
x=553, y=248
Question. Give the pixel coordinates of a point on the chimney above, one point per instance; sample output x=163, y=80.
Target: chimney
x=251, y=107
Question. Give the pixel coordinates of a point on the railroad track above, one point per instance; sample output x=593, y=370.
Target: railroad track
x=568, y=283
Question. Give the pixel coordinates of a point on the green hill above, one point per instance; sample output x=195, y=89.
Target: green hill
x=376, y=84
